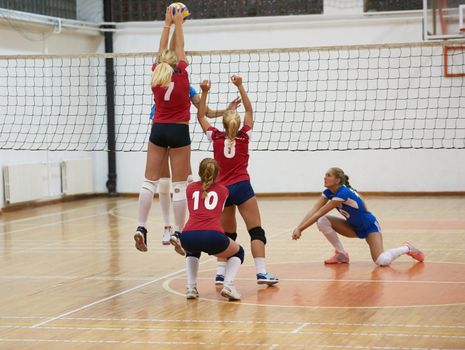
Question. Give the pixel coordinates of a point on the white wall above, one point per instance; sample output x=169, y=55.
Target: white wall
x=379, y=170
x=17, y=38
x=388, y=170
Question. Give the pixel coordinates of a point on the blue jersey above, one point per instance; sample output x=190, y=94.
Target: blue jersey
x=352, y=207
x=192, y=93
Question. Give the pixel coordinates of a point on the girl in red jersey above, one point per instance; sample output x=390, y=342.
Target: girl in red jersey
x=164, y=185
x=170, y=129
x=203, y=231
x=231, y=150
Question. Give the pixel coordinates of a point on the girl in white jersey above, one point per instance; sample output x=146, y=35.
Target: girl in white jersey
x=357, y=222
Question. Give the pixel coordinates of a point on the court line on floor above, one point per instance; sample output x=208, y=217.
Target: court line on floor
x=114, y=296
x=244, y=330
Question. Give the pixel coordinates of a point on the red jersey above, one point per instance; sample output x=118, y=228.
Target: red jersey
x=173, y=102
x=232, y=161
x=205, y=213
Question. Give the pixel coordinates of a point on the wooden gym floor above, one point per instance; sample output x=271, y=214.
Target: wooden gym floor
x=70, y=278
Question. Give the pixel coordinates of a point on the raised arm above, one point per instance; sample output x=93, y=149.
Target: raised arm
x=321, y=207
x=248, y=116
x=173, y=41
x=179, y=35
x=205, y=86
x=165, y=35
x=215, y=113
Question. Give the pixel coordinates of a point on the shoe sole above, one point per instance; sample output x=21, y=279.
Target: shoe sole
x=270, y=283
x=140, y=245
x=165, y=243
x=336, y=262
x=191, y=297
x=177, y=247
x=230, y=297
x=218, y=283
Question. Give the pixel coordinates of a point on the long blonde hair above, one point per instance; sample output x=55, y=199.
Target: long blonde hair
x=208, y=171
x=231, y=123
x=166, y=62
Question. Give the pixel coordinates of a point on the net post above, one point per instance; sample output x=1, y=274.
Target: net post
x=110, y=94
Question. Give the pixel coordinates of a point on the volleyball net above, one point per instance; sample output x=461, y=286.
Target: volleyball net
x=394, y=96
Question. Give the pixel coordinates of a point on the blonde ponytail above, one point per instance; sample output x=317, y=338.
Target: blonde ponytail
x=208, y=171
x=231, y=123
x=163, y=72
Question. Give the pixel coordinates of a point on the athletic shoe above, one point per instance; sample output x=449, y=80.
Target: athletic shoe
x=175, y=241
x=141, y=238
x=192, y=293
x=230, y=292
x=338, y=258
x=266, y=278
x=166, y=235
x=415, y=253
x=219, y=279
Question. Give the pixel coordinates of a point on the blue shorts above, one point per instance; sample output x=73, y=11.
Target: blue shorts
x=208, y=241
x=363, y=233
x=239, y=193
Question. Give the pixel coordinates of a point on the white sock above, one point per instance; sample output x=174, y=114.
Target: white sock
x=232, y=266
x=221, y=268
x=192, y=267
x=388, y=256
x=165, y=200
x=260, y=265
x=324, y=225
x=180, y=211
x=145, y=201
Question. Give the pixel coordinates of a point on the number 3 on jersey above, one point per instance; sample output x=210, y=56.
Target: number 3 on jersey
x=210, y=202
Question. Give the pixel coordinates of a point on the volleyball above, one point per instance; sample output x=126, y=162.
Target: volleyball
x=180, y=6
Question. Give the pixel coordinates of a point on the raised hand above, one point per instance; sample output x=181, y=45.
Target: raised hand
x=205, y=85
x=236, y=80
x=178, y=18
x=235, y=104
x=168, y=17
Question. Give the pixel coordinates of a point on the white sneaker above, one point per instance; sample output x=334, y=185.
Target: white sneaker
x=166, y=235
x=176, y=242
x=230, y=292
x=192, y=293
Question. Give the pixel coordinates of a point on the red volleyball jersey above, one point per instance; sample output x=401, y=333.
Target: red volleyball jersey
x=205, y=213
x=232, y=161
x=173, y=102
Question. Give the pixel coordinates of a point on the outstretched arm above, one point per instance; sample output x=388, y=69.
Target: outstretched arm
x=322, y=207
x=165, y=35
x=205, y=86
x=248, y=117
x=179, y=35
x=215, y=113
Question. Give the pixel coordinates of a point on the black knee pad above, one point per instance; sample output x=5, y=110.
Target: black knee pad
x=233, y=236
x=240, y=254
x=195, y=255
x=257, y=233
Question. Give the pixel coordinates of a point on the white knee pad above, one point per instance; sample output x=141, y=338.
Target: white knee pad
x=190, y=179
x=384, y=259
x=150, y=185
x=179, y=191
x=164, y=185
x=324, y=225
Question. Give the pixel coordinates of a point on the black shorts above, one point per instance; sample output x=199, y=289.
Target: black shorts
x=170, y=135
x=208, y=241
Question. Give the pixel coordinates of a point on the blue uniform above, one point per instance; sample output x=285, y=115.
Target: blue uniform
x=354, y=210
x=192, y=93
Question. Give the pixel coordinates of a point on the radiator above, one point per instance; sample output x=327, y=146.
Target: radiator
x=77, y=176
x=24, y=182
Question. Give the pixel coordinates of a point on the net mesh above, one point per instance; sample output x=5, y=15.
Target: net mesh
x=313, y=99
